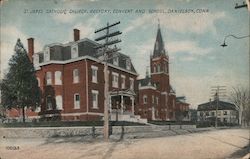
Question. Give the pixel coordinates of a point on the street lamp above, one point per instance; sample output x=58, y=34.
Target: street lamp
x=231, y=35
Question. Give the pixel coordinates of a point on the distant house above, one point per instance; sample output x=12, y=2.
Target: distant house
x=182, y=109
x=227, y=112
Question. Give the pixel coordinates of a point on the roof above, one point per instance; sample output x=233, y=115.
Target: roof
x=172, y=90
x=86, y=47
x=159, y=48
x=145, y=81
x=213, y=104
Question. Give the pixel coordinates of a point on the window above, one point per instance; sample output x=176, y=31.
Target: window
x=38, y=82
x=48, y=78
x=153, y=99
x=166, y=67
x=116, y=60
x=207, y=113
x=49, y=102
x=46, y=54
x=74, y=51
x=131, y=85
x=75, y=76
x=145, y=99
x=115, y=78
x=154, y=69
x=212, y=114
x=95, y=99
x=128, y=64
x=76, y=101
x=225, y=113
x=157, y=100
x=59, y=102
x=158, y=68
x=123, y=81
x=58, y=77
x=94, y=74
x=224, y=120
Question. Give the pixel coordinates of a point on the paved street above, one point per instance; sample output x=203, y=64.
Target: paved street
x=206, y=145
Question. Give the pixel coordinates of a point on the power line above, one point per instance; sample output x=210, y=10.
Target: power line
x=108, y=41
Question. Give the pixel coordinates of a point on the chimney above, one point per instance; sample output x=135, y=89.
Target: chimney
x=31, y=48
x=76, y=34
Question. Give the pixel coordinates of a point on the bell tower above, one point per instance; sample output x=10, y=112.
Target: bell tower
x=159, y=64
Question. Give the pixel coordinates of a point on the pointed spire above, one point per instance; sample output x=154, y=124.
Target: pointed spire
x=147, y=72
x=159, y=43
x=158, y=23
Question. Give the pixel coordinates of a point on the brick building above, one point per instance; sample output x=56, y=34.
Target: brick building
x=156, y=97
x=71, y=80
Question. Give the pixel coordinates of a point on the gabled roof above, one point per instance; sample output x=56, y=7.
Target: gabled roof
x=213, y=104
x=145, y=81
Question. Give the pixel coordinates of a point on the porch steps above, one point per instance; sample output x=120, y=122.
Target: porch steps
x=128, y=117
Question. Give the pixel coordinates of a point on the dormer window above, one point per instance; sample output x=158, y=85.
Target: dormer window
x=128, y=64
x=74, y=51
x=116, y=60
x=46, y=54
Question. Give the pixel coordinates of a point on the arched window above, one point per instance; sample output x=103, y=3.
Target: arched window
x=58, y=77
x=158, y=68
x=154, y=67
x=74, y=51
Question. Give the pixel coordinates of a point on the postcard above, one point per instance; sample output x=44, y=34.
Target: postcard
x=163, y=79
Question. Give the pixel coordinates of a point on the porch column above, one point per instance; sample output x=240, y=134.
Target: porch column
x=110, y=104
x=133, y=105
x=122, y=106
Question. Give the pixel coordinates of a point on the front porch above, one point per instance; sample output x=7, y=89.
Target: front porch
x=122, y=106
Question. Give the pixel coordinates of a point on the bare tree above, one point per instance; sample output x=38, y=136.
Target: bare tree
x=240, y=97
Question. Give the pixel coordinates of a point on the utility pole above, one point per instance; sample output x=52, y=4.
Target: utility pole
x=108, y=40
x=217, y=91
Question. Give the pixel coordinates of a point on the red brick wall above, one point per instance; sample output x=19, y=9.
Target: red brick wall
x=83, y=88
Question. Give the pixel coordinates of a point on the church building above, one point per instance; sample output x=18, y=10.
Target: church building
x=156, y=97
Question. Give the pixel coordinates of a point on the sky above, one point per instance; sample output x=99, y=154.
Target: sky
x=192, y=30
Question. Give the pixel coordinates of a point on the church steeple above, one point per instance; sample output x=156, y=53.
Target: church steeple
x=159, y=48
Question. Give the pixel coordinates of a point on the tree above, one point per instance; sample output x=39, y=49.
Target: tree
x=20, y=86
x=240, y=97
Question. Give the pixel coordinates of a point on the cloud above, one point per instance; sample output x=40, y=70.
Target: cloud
x=64, y=18
x=197, y=89
x=181, y=23
x=139, y=22
x=87, y=27
x=141, y=59
x=190, y=48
